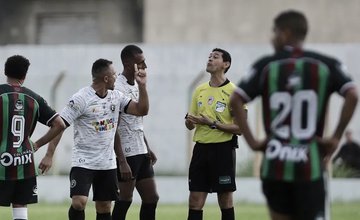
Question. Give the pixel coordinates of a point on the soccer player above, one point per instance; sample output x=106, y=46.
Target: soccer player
x=139, y=158
x=94, y=111
x=21, y=109
x=212, y=166
x=295, y=86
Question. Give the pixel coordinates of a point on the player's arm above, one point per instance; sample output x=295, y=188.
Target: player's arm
x=152, y=155
x=329, y=145
x=47, y=161
x=347, y=111
x=124, y=167
x=57, y=125
x=141, y=107
x=240, y=116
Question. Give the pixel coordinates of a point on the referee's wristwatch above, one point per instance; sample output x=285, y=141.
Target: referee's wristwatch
x=214, y=125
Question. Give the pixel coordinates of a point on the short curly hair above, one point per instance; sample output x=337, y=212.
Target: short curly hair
x=16, y=67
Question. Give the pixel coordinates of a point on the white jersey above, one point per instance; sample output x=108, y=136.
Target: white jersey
x=95, y=121
x=131, y=127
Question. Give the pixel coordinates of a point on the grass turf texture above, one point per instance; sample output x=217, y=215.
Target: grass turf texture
x=340, y=211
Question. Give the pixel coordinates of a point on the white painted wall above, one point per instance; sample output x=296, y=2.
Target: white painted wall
x=171, y=69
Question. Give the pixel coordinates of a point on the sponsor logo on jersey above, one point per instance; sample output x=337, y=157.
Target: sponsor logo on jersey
x=220, y=106
x=296, y=153
x=7, y=159
x=104, y=125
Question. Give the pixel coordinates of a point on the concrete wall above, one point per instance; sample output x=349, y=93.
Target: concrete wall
x=246, y=21
x=171, y=70
x=113, y=21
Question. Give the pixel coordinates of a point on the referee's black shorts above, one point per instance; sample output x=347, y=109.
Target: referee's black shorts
x=212, y=167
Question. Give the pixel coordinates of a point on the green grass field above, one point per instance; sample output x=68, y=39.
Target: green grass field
x=340, y=211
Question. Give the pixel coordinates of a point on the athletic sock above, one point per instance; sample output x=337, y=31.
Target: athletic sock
x=120, y=210
x=103, y=216
x=20, y=213
x=228, y=214
x=76, y=214
x=147, y=211
x=195, y=214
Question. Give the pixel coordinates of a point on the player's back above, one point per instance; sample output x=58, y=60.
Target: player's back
x=19, y=112
x=295, y=89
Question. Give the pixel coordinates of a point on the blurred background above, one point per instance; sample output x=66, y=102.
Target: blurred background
x=62, y=38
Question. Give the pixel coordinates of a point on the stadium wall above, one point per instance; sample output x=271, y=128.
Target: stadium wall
x=171, y=70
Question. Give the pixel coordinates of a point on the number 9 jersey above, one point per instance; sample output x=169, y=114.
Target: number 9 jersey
x=295, y=87
x=20, y=110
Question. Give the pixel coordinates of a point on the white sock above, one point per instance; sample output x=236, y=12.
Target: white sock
x=20, y=213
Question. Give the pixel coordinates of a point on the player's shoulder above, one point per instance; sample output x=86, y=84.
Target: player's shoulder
x=324, y=58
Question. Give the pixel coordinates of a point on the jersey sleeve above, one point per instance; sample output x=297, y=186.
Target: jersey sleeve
x=193, y=110
x=73, y=109
x=124, y=100
x=250, y=87
x=340, y=78
x=47, y=114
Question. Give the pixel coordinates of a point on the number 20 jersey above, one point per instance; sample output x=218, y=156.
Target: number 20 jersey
x=295, y=87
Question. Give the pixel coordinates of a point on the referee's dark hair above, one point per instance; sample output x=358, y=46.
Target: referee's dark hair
x=16, y=67
x=99, y=66
x=295, y=21
x=225, y=55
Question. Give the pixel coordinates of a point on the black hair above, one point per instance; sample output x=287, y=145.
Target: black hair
x=295, y=21
x=225, y=55
x=129, y=52
x=16, y=67
x=99, y=66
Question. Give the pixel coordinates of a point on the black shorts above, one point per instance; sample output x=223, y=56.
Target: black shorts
x=103, y=182
x=140, y=166
x=212, y=167
x=301, y=200
x=18, y=192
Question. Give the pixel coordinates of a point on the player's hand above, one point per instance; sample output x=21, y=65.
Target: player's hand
x=140, y=75
x=153, y=157
x=327, y=147
x=125, y=171
x=45, y=164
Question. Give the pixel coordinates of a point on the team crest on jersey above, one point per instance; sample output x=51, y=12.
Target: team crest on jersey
x=112, y=107
x=210, y=100
x=19, y=105
x=220, y=106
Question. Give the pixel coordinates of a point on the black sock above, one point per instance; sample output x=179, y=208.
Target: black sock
x=147, y=211
x=228, y=214
x=195, y=214
x=76, y=214
x=120, y=210
x=103, y=216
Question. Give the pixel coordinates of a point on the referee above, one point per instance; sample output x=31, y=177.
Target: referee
x=212, y=166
